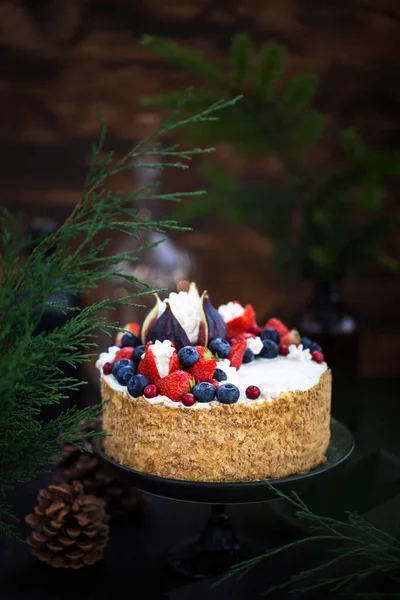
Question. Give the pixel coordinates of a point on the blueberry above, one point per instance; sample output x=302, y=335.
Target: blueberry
x=220, y=375
x=124, y=374
x=204, y=392
x=124, y=362
x=188, y=356
x=270, y=349
x=129, y=339
x=136, y=385
x=220, y=347
x=314, y=346
x=227, y=393
x=137, y=353
x=270, y=334
x=248, y=356
x=306, y=342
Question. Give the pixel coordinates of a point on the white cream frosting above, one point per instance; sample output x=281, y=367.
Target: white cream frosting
x=255, y=344
x=273, y=377
x=230, y=311
x=297, y=353
x=162, y=352
x=185, y=307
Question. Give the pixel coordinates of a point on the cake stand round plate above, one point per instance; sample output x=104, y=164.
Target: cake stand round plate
x=340, y=448
x=217, y=548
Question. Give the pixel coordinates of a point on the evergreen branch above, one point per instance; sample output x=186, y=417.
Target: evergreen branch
x=72, y=260
x=374, y=551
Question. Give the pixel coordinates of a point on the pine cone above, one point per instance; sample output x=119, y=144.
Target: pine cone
x=69, y=526
x=85, y=467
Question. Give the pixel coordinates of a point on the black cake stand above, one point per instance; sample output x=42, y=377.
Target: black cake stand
x=217, y=547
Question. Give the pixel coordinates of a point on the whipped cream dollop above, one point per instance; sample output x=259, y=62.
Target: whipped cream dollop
x=162, y=352
x=186, y=308
x=297, y=353
x=255, y=344
x=230, y=311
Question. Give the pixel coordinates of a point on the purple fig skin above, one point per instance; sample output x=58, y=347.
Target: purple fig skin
x=216, y=325
x=167, y=327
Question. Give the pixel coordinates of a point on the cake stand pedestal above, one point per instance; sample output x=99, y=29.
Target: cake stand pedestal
x=218, y=548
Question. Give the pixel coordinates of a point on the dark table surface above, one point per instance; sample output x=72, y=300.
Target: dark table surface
x=134, y=559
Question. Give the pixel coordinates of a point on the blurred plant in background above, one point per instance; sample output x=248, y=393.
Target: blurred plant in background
x=323, y=224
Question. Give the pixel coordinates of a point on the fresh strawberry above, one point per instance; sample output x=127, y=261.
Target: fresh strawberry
x=204, y=369
x=278, y=325
x=132, y=327
x=174, y=363
x=125, y=352
x=148, y=365
x=175, y=385
x=291, y=337
x=237, y=351
x=242, y=323
x=254, y=329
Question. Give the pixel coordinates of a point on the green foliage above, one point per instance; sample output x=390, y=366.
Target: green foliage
x=373, y=552
x=324, y=223
x=30, y=365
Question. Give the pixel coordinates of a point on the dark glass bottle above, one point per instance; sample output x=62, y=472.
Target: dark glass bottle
x=328, y=321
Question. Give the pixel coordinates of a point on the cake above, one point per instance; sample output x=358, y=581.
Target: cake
x=204, y=394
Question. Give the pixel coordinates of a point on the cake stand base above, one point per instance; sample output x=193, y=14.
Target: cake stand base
x=214, y=552
x=218, y=548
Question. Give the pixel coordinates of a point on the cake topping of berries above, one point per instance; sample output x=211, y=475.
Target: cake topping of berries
x=129, y=339
x=150, y=391
x=136, y=385
x=204, y=392
x=238, y=318
x=270, y=349
x=132, y=328
x=220, y=348
x=219, y=375
x=138, y=353
x=203, y=369
x=188, y=356
x=297, y=353
x=159, y=360
x=270, y=334
x=248, y=356
x=107, y=368
x=317, y=356
x=188, y=399
x=283, y=350
x=291, y=337
x=123, y=370
x=253, y=392
x=214, y=382
x=227, y=393
x=276, y=324
x=237, y=352
x=176, y=385
x=126, y=352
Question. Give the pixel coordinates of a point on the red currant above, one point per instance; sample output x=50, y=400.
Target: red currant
x=188, y=400
x=317, y=356
x=255, y=329
x=125, y=352
x=232, y=341
x=150, y=391
x=284, y=350
x=107, y=368
x=253, y=392
x=214, y=382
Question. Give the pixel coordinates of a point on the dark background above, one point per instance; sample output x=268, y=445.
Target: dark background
x=58, y=59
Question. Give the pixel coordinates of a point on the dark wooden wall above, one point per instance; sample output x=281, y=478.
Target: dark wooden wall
x=58, y=59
